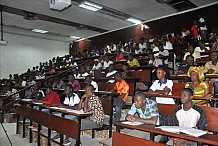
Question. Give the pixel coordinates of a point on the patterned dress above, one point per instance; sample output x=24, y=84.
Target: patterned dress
x=199, y=91
x=96, y=109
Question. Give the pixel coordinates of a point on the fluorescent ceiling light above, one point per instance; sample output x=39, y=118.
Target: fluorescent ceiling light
x=134, y=20
x=80, y=39
x=146, y=26
x=90, y=6
x=75, y=37
x=39, y=31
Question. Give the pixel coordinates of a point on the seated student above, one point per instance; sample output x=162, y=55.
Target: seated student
x=122, y=88
x=36, y=93
x=202, y=48
x=191, y=51
x=199, y=87
x=111, y=72
x=97, y=65
x=89, y=81
x=51, y=98
x=125, y=72
x=74, y=83
x=211, y=67
x=189, y=62
x=164, y=53
x=58, y=83
x=155, y=61
x=132, y=61
x=91, y=104
x=163, y=85
x=107, y=63
x=88, y=71
x=188, y=115
x=119, y=56
x=143, y=110
x=215, y=44
x=71, y=101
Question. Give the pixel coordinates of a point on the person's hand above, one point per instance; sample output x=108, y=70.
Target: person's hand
x=131, y=118
x=209, y=96
x=165, y=88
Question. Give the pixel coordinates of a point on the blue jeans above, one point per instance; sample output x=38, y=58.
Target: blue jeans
x=118, y=103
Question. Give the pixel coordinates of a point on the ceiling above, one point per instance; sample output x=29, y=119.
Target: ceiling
x=63, y=24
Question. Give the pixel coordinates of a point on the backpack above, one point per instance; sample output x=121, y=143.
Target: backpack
x=165, y=120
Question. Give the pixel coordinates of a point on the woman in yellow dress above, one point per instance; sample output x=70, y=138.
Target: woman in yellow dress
x=199, y=87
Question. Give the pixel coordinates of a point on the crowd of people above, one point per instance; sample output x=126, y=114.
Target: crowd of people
x=156, y=48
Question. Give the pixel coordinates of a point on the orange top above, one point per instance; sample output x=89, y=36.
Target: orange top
x=122, y=87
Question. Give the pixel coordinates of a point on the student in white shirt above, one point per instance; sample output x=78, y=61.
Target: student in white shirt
x=89, y=80
x=97, y=65
x=107, y=62
x=162, y=85
x=111, y=73
x=71, y=101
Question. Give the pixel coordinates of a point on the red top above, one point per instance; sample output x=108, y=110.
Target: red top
x=119, y=57
x=52, y=98
x=194, y=28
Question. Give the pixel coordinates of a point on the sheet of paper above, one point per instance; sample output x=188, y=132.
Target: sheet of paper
x=176, y=129
x=132, y=123
x=27, y=99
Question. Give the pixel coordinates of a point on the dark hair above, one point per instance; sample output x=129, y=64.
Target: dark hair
x=140, y=94
x=189, y=90
x=118, y=74
x=70, y=86
x=165, y=69
x=189, y=56
x=90, y=86
x=49, y=87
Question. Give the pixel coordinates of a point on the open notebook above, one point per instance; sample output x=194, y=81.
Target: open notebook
x=176, y=129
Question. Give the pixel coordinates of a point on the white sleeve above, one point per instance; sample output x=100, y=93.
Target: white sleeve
x=76, y=99
x=132, y=111
x=154, y=85
x=170, y=85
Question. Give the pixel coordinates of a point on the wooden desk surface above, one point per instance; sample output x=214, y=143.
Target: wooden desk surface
x=207, y=138
x=175, y=96
x=182, y=76
x=55, y=109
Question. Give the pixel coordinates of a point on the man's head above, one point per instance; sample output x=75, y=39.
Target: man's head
x=151, y=56
x=191, y=49
x=111, y=67
x=118, y=77
x=88, y=69
x=106, y=59
x=130, y=57
x=48, y=90
x=140, y=100
x=96, y=61
x=190, y=60
x=88, y=79
x=186, y=95
x=214, y=56
x=71, y=78
x=69, y=89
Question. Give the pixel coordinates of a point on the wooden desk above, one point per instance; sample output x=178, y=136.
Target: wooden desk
x=207, y=138
x=182, y=76
x=67, y=127
x=121, y=140
x=178, y=97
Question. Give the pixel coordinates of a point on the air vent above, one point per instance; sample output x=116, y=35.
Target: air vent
x=163, y=1
x=30, y=16
x=181, y=5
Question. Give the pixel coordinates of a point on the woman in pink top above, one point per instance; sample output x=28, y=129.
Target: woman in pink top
x=119, y=56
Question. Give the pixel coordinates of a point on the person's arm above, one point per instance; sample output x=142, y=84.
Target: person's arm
x=202, y=122
x=79, y=107
x=121, y=95
x=86, y=108
x=151, y=120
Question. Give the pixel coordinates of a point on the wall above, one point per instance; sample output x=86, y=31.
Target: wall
x=24, y=52
x=161, y=26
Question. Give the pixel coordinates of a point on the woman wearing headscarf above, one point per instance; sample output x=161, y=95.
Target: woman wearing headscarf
x=199, y=87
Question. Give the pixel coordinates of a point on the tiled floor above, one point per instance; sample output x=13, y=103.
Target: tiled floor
x=17, y=139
